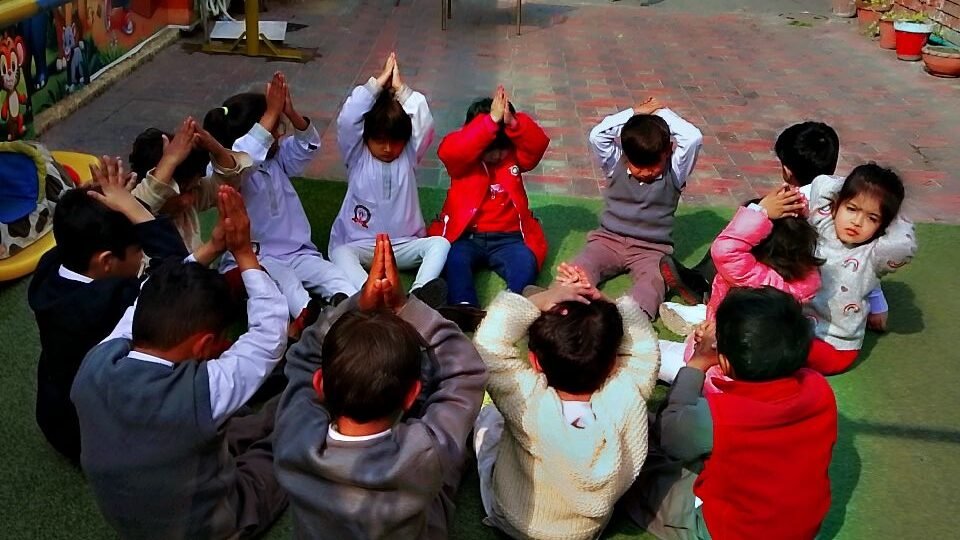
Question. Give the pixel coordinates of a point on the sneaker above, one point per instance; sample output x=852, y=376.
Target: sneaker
x=433, y=293
x=465, y=316
x=685, y=282
x=681, y=319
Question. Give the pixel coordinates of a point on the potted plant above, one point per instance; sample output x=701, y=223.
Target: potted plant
x=845, y=8
x=888, y=36
x=912, y=35
x=942, y=61
x=868, y=13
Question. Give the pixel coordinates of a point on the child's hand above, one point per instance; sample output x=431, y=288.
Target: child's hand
x=784, y=201
x=276, y=99
x=568, y=274
x=705, y=331
x=112, y=179
x=395, y=82
x=299, y=122
x=383, y=288
x=648, y=106
x=877, y=322
x=384, y=78
x=498, y=105
x=183, y=141
x=509, y=119
x=705, y=347
x=575, y=292
x=236, y=228
x=207, y=142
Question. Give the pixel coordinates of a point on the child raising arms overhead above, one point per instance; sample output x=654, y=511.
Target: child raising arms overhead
x=251, y=123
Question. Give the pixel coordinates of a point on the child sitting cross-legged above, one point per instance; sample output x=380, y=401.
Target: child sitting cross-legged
x=751, y=461
x=163, y=452
x=356, y=458
x=567, y=432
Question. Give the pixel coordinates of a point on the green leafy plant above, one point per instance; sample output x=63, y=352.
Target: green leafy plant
x=904, y=16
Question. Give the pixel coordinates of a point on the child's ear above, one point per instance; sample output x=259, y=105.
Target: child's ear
x=787, y=175
x=318, y=383
x=725, y=366
x=411, y=396
x=203, y=346
x=534, y=362
x=101, y=263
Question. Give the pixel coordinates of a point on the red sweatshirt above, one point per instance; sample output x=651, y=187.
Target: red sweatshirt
x=766, y=476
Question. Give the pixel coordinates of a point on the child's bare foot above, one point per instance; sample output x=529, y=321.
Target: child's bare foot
x=877, y=322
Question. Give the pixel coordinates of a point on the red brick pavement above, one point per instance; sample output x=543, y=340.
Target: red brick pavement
x=740, y=78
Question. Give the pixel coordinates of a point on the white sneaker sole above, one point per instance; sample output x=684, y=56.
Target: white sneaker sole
x=674, y=321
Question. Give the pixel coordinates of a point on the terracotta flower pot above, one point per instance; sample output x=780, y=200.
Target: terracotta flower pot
x=888, y=36
x=942, y=61
x=845, y=8
x=868, y=15
x=911, y=37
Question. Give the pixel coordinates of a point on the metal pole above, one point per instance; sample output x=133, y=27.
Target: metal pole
x=252, y=23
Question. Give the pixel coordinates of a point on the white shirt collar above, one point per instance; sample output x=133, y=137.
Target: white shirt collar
x=337, y=436
x=137, y=355
x=578, y=414
x=66, y=273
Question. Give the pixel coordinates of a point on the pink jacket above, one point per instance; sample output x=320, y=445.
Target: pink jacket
x=737, y=267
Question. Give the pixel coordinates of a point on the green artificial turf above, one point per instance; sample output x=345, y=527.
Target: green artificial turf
x=893, y=467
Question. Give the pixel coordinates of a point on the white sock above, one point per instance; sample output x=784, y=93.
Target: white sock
x=671, y=359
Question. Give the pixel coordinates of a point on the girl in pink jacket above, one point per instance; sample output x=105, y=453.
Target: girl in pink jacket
x=766, y=243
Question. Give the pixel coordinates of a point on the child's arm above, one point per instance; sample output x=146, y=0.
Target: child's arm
x=896, y=247
x=686, y=425
x=415, y=104
x=462, y=149
x=688, y=139
x=159, y=184
x=350, y=120
x=638, y=355
x=605, y=140
x=297, y=152
x=823, y=190
x=529, y=140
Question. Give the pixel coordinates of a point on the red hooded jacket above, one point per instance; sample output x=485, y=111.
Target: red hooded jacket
x=470, y=179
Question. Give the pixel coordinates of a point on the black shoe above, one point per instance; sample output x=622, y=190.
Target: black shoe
x=688, y=284
x=465, y=316
x=433, y=293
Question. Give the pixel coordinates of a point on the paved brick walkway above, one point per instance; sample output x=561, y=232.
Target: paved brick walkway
x=740, y=76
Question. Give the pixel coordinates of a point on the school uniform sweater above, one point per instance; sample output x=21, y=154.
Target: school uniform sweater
x=643, y=210
x=766, y=448
x=400, y=484
x=381, y=197
x=851, y=272
x=153, y=450
x=553, y=480
x=72, y=316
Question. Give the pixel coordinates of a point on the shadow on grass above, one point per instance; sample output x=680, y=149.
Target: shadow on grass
x=905, y=317
x=844, y=477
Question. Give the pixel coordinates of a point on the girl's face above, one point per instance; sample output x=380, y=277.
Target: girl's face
x=857, y=220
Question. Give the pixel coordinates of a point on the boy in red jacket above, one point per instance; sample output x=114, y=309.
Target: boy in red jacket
x=751, y=462
x=486, y=216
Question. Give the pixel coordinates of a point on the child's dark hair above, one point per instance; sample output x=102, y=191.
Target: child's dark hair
x=576, y=344
x=178, y=301
x=371, y=360
x=808, y=149
x=482, y=106
x=876, y=181
x=645, y=139
x=148, y=150
x=387, y=120
x=83, y=226
x=790, y=248
x=235, y=118
x=763, y=334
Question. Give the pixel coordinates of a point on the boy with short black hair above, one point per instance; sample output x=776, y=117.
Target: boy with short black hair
x=155, y=400
x=566, y=434
x=357, y=460
x=83, y=285
x=757, y=455
x=646, y=153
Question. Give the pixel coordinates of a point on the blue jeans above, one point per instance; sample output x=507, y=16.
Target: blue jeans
x=505, y=253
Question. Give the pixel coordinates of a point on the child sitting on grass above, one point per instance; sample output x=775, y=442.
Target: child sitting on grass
x=156, y=398
x=356, y=463
x=384, y=130
x=83, y=285
x=862, y=237
x=251, y=123
x=566, y=434
x=183, y=191
x=751, y=461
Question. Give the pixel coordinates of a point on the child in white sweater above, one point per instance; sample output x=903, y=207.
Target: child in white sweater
x=567, y=433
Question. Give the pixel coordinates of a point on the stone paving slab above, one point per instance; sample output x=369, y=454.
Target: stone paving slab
x=741, y=75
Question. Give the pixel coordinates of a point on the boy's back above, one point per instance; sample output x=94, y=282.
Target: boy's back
x=396, y=484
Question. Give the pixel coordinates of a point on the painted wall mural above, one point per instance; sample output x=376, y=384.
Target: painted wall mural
x=58, y=50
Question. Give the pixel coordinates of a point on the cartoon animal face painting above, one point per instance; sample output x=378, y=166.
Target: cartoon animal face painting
x=13, y=108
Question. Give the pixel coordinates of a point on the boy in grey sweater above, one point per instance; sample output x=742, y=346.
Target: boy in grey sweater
x=351, y=450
